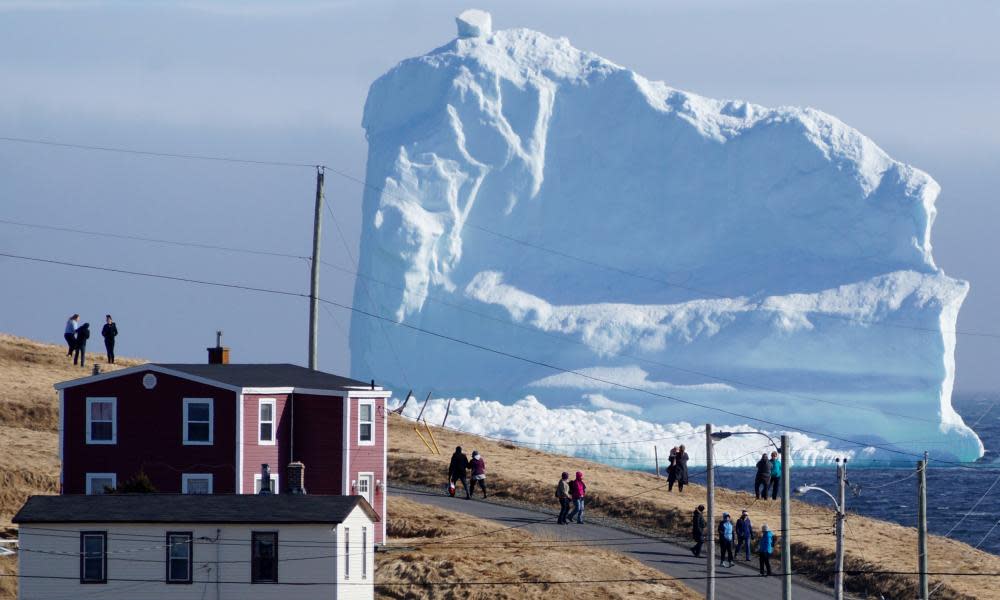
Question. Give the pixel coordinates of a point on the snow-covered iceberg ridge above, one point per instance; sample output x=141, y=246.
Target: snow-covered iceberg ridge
x=679, y=254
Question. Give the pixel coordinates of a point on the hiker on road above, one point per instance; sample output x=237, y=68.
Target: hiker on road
x=672, y=469
x=775, y=475
x=562, y=492
x=698, y=529
x=110, y=331
x=456, y=471
x=80, y=348
x=764, y=549
x=762, y=482
x=577, y=491
x=478, y=466
x=744, y=533
x=681, y=469
x=70, y=333
x=726, y=531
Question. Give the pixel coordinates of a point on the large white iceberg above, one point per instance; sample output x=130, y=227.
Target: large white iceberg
x=693, y=253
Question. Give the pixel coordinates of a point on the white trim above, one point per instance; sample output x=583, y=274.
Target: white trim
x=274, y=420
x=376, y=393
x=239, y=444
x=114, y=421
x=385, y=471
x=371, y=486
x=268, y=390
x=211, y=421
x=275, y=487
x=370, y=403
x=346, y=450
x=91, y=476
x=186, y=477
x=62, y=441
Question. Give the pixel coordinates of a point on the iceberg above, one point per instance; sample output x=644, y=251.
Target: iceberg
x=641, y=246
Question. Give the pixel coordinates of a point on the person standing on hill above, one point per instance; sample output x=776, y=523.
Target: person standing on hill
x=744, y=533
x=672, y=469
x=457, y=468
x=762, y=482
x=80, y=348
x=726, y=531
x=681, y=469
x=70, y=333
x=577, y=491
x=110, y=332
x=775, y=475
x=764, y=549
x=698, y=529
x=478, y=466
x=562, y=492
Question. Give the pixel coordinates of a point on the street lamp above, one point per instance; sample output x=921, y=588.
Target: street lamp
x=840, y=505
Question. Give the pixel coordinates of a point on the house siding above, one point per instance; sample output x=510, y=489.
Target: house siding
x=319, y=442
x=277, y=456
x=149, y=434
x=369, y=458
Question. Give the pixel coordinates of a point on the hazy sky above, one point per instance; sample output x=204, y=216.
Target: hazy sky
x=287, y=81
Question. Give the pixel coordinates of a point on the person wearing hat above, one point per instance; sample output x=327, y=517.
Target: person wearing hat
x=478, y=466
x=726, y=539
x=456, y=471
x=744, y=533
x=765, y=546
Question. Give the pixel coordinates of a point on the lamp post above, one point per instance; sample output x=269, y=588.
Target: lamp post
x=710, y=503
x=838, y=584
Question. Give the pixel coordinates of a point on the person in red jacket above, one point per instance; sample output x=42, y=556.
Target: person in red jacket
x=478, y=466
x=577, y=490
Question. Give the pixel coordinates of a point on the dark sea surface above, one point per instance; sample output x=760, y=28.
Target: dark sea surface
x=960, y=502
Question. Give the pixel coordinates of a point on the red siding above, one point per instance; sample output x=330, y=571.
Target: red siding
x=254, y=454
x=369, y=459
x=319, y=440
x=150, y=436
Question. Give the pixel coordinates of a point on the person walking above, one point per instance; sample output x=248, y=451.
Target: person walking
x=70, y=333
x=562, y=493
x=109, y=332
x=577, y=491
x=698, y=525
x=726, y=530
x=478, y=466
x=681, y=469
x=765, y=546
x=775, y=475
x=456, y=470
x=80, y=347
x=762, y=482
x=744, y=534
x=672, y=469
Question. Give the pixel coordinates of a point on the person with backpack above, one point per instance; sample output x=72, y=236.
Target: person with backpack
x=672, y=469
x=110, y=332
x=577, y=491
x=762, y=482
x=456, y=471
x=681, y=469
x=80, y=348
x=69, y=334
x=744, y=533
x=478, y=466
x=726, y=531
x=698, y=530
x=775, y=475
x=562, y=493
x=765, y=546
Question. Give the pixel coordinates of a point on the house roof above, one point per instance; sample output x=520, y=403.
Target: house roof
x=190, y=508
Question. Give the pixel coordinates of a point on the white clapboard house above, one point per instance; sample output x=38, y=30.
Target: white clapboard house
x=206, y=547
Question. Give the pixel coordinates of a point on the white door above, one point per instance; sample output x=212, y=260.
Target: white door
x=366, y=482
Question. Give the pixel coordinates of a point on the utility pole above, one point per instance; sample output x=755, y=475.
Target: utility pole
x=786, y=522
x=314, y=276
x=838, y=586
x=710, y=503
x=922, y=526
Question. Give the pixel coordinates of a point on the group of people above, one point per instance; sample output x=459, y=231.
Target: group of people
x=458, y=468
x=571, y=494
x=677, y=469
x=734, y=537
x=768, y=476
x=76, y=336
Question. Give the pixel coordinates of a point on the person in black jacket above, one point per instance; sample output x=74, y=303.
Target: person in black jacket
x=698, y=525
x=762, y=481
x=109, y=332
x=456, y=470
x=80, y=348
x=681, y=468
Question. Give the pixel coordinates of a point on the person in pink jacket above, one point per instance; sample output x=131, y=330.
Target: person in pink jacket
x=478, y=466
x=577, y=491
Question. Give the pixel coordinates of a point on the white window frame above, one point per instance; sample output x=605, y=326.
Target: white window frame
x=114, y=421
x=370, y=476
x=92, y=476
x=211, y=421
x=370, y=403
x=274, y=421
x=347, y=552
x=364, y=553
x=186, y=477
x=275, y=488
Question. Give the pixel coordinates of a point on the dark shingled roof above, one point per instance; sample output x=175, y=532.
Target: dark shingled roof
x=190, y=508
x=267, y=375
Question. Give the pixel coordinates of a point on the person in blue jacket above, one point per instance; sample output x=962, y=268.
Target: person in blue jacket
x=775, y=475
x=726, y=531
x=744, y=533
x=764, y=549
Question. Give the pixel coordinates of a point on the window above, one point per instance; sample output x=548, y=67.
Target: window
x=101, y=483
x=264, y=557
x=364, y=553
x=102, y=424
x=196, y=483
x=93, y=557
x=265, y=428
x=198, y=421
x=347, y=553
x=366, y=423
x=180, y=557
x=275, y=488
x=364, y=489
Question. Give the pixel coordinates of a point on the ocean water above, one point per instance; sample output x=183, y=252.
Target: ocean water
x=891, y=494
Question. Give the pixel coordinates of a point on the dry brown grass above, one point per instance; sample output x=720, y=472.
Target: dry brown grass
x=470, y=556
x=637, y=498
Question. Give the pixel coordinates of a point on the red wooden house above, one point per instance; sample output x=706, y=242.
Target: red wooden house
x=208, y=428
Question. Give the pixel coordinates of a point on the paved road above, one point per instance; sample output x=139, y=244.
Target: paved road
x=672, y=559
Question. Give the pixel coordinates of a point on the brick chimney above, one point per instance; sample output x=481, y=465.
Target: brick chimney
x=296, y=473
x=218, y=355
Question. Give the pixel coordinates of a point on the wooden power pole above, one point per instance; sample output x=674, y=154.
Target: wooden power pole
x=922, y=526
x=314, y=276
